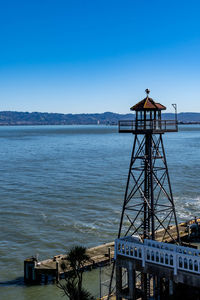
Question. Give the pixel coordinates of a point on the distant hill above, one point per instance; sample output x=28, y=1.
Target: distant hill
x=38, y=118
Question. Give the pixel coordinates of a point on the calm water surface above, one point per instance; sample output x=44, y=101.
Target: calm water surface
x=64, y=185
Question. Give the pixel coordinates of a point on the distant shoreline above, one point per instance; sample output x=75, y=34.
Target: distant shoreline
x=13, y=118
x=89, y=124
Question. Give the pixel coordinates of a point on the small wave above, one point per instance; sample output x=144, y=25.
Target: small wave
x=189, y=207
x=43, y=216
x=186, y=198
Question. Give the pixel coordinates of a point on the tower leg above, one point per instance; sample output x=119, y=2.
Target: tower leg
x=170, y=189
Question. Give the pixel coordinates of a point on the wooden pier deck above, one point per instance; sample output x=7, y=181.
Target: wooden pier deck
x=43, y=271
x=99, y=255
x=50, y=269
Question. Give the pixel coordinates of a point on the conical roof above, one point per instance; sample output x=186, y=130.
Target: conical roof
x=148, y=104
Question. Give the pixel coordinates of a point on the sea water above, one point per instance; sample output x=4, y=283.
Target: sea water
x=63, y=185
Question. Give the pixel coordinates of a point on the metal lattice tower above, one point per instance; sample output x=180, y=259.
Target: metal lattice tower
x=148, y=202
x=148, y=209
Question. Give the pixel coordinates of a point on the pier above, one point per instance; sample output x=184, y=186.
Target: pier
x=37, y=272
x=51, y=270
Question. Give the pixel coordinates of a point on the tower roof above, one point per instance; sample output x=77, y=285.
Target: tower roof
x=148, y=104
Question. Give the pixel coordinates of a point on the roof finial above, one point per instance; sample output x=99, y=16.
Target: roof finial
x=147, y=91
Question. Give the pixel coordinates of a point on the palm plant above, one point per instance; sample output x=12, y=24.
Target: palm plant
x=72, y=287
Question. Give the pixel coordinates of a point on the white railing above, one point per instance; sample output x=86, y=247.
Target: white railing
x=168, y=255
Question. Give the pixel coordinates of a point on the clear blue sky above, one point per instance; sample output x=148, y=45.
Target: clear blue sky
x=98, y=55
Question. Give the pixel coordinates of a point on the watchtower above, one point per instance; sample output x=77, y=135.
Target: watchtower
x=148, y=211
x=148, y=201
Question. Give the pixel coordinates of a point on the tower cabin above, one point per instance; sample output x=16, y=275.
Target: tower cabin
x=148, y=118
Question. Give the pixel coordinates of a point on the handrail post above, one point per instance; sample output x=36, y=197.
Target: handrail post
x=143, y=256
x=115, y=253
x=175, y=257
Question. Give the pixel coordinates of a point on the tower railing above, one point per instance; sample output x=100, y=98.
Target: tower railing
x=156, y=126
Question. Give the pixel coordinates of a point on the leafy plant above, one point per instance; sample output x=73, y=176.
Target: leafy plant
x=72, y=287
